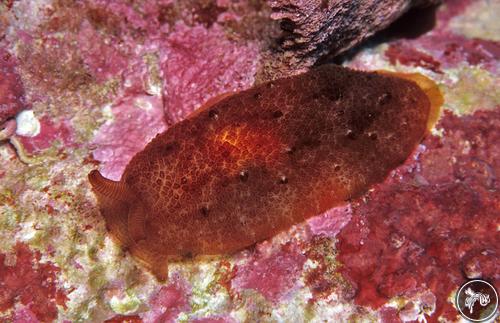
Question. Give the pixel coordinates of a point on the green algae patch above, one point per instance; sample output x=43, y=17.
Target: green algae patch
x=154, y=81
x=96, y=277
x=7, y=197
x=125, y=305
x=204, y=301
x=9, y=219
x=471, y=89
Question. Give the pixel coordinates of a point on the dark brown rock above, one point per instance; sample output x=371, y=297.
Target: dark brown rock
x=314, y=28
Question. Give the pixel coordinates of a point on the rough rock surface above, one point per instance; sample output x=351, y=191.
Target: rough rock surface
x=314, y=28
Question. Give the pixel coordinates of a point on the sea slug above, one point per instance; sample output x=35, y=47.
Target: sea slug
x=248, y=165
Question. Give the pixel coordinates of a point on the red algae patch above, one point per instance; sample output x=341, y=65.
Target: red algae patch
x=24, y=315
x=124, y=319
x=274, y=275
x=407, y=55
x=433, y=224
x=11, y=88
x=453, y=50
x=389, y=315
x=323, y=279
x=169, y=302
x=30, y=283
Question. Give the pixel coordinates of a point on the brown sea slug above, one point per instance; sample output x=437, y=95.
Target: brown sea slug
x=247, y=166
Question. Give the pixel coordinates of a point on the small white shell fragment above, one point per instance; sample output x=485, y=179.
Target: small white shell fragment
x=27, y=124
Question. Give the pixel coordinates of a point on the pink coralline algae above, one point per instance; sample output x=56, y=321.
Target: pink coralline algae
x=120, y=17
x=446, y=50
x=102, y=58
x=31, y=283
x=389, y=315
x=330, y=222
x=109, y=53
x=456, y=49
x=11, y=88
x=273, y=275
x=432, y=225
x=168, y=302
x=203, y=63
x=136, y=121
x=24, y=315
